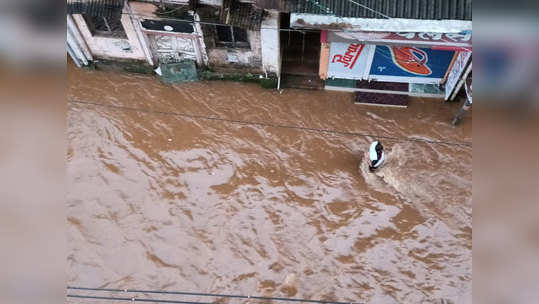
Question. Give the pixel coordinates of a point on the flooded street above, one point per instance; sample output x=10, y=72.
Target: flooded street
x=227, y=187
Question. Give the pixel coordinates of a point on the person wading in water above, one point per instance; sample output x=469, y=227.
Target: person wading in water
x=376, y=156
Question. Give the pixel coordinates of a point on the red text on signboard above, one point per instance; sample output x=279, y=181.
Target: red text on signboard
x=349, y=58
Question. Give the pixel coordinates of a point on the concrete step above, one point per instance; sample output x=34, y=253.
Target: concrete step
x=381, y=99
x=302, y=82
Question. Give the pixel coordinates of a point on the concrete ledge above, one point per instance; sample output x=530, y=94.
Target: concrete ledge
x=379, y=105
x=129, y=65
x=268, y=83
x=345, y=89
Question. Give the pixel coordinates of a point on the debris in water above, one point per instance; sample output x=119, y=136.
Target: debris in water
x=289, y=285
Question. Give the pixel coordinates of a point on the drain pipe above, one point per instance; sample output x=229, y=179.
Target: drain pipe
x=75, y=48
x=71, y=26
x=279, y=72
x=465, y=107
x=75, y=59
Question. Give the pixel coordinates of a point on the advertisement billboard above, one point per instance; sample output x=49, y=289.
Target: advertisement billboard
x=348, y=60
x=449, y=41
x=458, y=68
x=409, y=64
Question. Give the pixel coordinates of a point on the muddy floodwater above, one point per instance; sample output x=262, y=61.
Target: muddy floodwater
x=206, y=187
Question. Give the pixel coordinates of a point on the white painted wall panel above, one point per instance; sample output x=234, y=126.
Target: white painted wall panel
x=107, y=47
x=270, y=43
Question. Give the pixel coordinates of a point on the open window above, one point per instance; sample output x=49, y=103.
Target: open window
x=231, y=37
x=105, y=26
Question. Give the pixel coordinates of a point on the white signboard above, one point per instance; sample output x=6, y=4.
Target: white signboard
x=349, y=60
x=454, y=75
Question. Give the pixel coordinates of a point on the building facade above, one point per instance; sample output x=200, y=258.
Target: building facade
x=404, y=47
x=397, y=46
x=223, y=35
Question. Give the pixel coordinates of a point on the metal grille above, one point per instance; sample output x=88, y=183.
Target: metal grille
x=105, y=26
x=229, y=36
x=242, y=15
x=102, y=8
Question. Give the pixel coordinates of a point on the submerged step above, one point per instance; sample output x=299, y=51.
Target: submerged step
x=381, y=99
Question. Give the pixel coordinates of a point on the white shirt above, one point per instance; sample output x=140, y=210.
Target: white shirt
x=374, y=156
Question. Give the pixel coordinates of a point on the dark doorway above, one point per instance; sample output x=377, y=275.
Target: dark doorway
x=300, y=55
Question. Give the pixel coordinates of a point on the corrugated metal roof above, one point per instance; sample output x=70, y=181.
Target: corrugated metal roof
x=409, y=9
x=103, y=8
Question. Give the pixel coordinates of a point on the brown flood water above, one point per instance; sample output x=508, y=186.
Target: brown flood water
x=164, y=202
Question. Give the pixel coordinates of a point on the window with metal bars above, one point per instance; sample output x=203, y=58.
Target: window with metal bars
x=231, y=37
x=105, y=26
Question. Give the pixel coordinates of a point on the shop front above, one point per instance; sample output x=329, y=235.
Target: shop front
x=395, y=61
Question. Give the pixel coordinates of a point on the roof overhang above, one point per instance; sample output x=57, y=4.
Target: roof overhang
x=442, y=41
x=378, y=25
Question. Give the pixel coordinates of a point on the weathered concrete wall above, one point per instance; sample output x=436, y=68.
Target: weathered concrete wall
x=270, y=43
x=113, y=48
x=181, y=41
x=219, y=58
x=249, y=58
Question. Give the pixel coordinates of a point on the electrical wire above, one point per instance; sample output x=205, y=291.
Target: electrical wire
x=370, y=9
x=134, y=299
x=213, y=23
x=202, y=294
x=264, y=124
x=224, y=24
x=325, y=8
